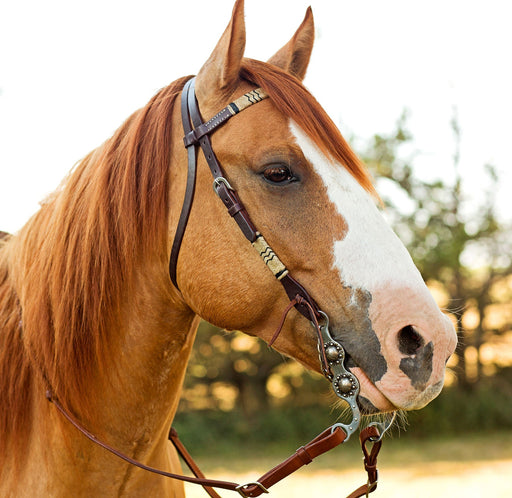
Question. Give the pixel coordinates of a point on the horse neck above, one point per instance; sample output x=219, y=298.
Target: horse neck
x=132, y=403
x=151, y=349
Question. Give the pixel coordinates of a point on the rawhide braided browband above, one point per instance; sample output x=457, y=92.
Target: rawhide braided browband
x=243, y=102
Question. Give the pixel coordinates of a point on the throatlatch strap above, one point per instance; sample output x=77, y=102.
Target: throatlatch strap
x=189, y=190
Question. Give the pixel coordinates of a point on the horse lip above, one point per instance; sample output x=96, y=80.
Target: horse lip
x=363, y=379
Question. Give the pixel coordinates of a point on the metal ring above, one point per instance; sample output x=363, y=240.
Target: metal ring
x=383, y=428
x=255, y=483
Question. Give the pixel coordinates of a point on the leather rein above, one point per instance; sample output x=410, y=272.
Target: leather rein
x=331, y=352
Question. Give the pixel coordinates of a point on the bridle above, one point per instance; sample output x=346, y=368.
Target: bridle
x=331, y=352
x=197, y=133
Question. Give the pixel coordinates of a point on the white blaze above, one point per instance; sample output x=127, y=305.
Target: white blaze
x=370, y=255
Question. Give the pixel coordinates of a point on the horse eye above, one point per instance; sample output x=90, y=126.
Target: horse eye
x=278, y=174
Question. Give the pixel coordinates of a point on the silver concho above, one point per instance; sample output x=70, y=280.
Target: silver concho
x=344, y=383
x=334, y=353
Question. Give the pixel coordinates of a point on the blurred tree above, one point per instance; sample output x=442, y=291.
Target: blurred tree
x=231, y=368
x=458, y=242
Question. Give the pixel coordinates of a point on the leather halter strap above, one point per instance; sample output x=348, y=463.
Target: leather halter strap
x=197, y=134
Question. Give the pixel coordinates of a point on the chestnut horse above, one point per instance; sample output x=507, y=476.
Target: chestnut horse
x=87, y=306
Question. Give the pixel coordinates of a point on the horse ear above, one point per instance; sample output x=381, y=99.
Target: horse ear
x=294, y=56
x=221, y=71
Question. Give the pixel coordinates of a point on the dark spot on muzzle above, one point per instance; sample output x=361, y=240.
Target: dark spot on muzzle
x=354, y=331
x=419, y=366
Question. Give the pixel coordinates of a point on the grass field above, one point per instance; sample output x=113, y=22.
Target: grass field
x=475, y=466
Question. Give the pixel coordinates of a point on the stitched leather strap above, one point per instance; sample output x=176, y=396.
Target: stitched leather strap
x=324, y=442
x=226, y=194
x=198, y=135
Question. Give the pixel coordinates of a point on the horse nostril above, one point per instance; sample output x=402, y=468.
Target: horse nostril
x=409, y=340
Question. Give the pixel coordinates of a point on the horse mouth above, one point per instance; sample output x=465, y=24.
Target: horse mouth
x=370, y=400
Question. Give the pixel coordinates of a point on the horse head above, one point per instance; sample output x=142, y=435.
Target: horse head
x=90, y=317
x=313, y=201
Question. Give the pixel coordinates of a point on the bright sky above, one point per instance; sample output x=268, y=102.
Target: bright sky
x=71, y=72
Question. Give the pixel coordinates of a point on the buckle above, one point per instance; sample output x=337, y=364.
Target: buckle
x=240, y=488
x=218, y=181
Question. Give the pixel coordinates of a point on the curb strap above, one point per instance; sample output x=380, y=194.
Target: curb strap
x=326, y=441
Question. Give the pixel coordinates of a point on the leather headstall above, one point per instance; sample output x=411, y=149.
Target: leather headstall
x=198, y=135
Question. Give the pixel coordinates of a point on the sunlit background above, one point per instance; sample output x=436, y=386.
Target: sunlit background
x=71, y=72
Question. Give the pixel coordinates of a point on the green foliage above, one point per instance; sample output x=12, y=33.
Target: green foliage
x=276, y=428
x=228, y=369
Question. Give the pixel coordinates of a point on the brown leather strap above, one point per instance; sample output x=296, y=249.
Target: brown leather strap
x=324, y=442
x=194, y=480
x=199, y=134
x=191, y=464
x=369, y=435
x=189, y=190
x=193, y=136
x=327, y=440
x=235, y=206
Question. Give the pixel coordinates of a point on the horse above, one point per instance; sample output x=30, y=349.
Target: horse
x=87, y=308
